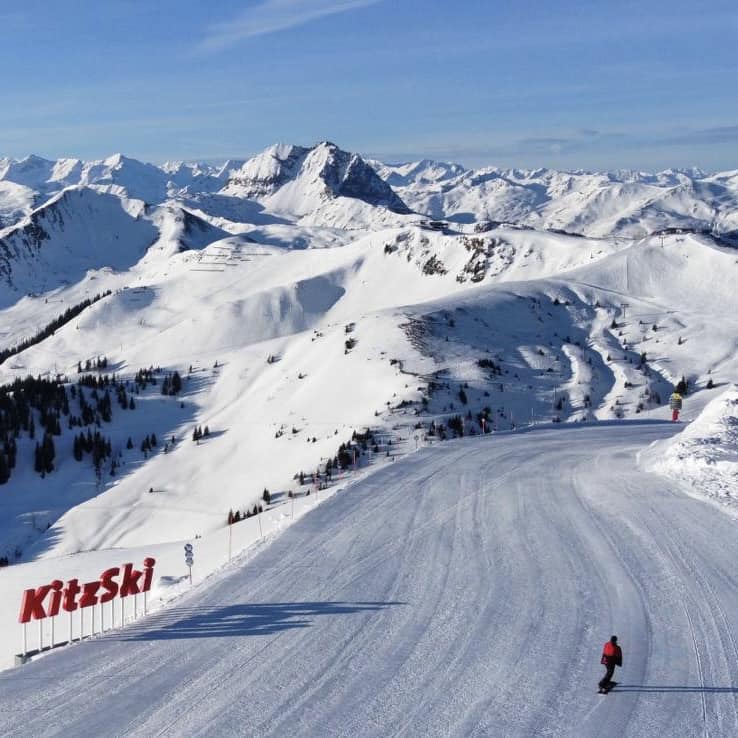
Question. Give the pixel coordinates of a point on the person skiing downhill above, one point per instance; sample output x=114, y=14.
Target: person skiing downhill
x=612, y=656
x=675, y=403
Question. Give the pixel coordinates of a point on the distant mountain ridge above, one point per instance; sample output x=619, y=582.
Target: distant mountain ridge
x=83, y=228
x=625, y=203
x=313, y=175
x=323, y=185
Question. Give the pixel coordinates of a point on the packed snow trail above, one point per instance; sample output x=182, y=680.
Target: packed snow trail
x=465, y=591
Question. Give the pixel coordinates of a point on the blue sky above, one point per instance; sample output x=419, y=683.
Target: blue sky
x=647, y=84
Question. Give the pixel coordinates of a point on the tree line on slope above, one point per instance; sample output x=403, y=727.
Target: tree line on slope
x=50, y=328
x=36, y=408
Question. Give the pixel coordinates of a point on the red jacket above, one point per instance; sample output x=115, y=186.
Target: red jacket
x=611, y=654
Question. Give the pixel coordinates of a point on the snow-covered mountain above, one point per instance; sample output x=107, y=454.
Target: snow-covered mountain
x=317, y=182
x=624, y=203
x=82, y=229
x=422, y=173
x=324, y=186
x=321, y=172
x=304, y=296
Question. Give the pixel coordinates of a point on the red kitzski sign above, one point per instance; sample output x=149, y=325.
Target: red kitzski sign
x=48, y=600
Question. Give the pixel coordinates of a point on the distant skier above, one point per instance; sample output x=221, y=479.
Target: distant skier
x=675, y=403
x=612, y=656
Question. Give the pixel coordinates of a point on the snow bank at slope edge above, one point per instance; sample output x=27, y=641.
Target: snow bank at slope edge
x=704, y=456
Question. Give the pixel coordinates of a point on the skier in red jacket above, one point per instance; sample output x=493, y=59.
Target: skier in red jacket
x=612, y=656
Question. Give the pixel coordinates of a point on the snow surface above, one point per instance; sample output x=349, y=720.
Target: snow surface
x=704, y=456
x=624, y=203
x=426, y=308
x=464, y=591
x=419, y=336
x=301, y=303
x=319, y=184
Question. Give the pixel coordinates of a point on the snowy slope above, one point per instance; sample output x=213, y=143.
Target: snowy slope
x=118, y=174
x=15, y=202
x=84, y=229
x=466, y=591
x=301, y=303
x=58, y=242
x=704, y=456
x=425, y=309
x=625, y=203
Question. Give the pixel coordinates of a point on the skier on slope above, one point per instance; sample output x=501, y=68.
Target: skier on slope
x=612, y=656
x=675, y=403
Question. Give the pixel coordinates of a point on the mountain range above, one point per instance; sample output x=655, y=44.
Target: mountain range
x=302, y=183
x=307, y=294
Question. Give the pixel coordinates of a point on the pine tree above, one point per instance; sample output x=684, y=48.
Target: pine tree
x=38, y=465
x=4, y=470
x=11, y=451
x=77, y=448
x=49, y=452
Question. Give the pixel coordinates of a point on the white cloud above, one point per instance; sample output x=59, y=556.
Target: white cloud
x=270, y=16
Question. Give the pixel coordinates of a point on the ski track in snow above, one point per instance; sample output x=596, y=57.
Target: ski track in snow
x=466, y=590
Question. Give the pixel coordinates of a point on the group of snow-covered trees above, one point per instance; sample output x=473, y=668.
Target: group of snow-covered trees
x=35, y=407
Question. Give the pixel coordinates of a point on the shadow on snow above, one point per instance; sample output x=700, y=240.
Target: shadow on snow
x=246, y=619
x=655, y=688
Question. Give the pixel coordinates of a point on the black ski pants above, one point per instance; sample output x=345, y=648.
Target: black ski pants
x=608, y=676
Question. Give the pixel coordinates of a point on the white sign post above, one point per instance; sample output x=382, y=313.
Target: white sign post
x=189, y=558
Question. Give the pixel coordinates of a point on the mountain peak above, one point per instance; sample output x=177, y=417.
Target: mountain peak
x=34, y=160
x=117, y=160
x=321, y=172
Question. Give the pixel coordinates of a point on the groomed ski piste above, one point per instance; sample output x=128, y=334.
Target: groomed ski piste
x=431, y=585
x=466, y=590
